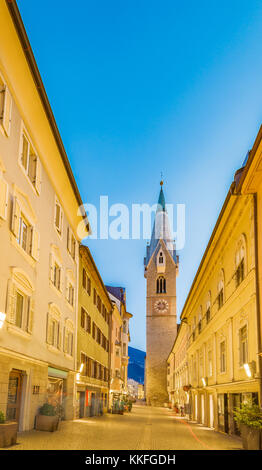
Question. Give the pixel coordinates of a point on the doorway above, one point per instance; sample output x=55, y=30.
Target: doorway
x=14, y=396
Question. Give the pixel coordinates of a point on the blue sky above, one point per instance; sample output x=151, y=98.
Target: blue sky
x=143, y=87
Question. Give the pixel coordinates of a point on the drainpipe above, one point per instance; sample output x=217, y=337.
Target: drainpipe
x=258, y=302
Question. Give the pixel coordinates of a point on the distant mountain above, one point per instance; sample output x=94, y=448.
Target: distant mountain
x=136, y=365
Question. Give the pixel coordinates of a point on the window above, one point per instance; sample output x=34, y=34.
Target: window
x=220, y=297
x=53, y=329
x=23, y=228
x=30, y=163
x=3, y=197
x=243, y=345
x=70, y=288
x=208, y=308
x=98, y=335
x=86, y=282
x=20, y=301
x=124, y=327
x=208, y=314
x=95, y=296
x=68, y=337
x=57, y=276
x=99, y=304
x=200, y=322
x=161, y=259
x=223, y=356
x=161, y=285
x=71, y=243
x=71, y=294
x=85, y=320
x=58, y=217
x=94, y=330
x=5, y=107
x=240, y=265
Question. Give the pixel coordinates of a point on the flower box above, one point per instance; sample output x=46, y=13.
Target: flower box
x=46, y=423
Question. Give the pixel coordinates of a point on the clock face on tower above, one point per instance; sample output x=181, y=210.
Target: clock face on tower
x=161, y=306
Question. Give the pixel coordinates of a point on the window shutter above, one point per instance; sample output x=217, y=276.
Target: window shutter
x=3, y=198
x=59, y=336
x=30, y=318
x=51, y=268
x=16, y=218
x=61, y=279
x=6, y=120
x=11, y=298
x=67, y=289
x=68, y=238
x=48, y=329
x=38, y=175
x=35, y=244
x=65, y=339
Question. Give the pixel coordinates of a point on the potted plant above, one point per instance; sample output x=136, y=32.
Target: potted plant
x=249, y=418
x=47, y=419
x=8, y=431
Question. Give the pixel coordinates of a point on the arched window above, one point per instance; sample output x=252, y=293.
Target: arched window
x=161, y=258
x=200, y=320
x=220, y=288
x=208, y=308
x=161, y=285
x=240, y=261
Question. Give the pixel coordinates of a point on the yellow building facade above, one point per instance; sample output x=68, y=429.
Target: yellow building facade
x=249, y=181
x=220, y=315
x=39, y=237
x=94, y=337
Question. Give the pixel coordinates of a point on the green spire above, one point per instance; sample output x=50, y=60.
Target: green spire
x=161, y=199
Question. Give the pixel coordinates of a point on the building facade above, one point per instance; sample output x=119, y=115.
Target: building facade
x=220, y=319
x=249, y=181
x=161, y=268
x=120, y=338
x=93, y=346
x=39, y=239
x=177, y=372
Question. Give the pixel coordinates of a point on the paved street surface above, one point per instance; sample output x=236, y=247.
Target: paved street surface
x=145, y=428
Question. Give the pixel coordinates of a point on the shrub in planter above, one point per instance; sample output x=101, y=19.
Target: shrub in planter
x=249, y=418
x=47, y=419
x=8, y=432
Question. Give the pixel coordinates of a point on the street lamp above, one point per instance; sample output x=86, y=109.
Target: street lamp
x=2, y=319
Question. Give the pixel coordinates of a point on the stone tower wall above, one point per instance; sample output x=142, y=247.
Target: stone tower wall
x=161, y=329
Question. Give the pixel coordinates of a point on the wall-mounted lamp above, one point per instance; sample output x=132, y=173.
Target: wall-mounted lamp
x=2, y=319
x=204, y=381
x=250, y=368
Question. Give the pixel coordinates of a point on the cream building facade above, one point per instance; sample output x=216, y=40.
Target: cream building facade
x=39, y=238
x=177, y=371
x=220, y=316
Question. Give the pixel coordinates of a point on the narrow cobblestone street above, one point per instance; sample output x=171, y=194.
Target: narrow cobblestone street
x=144, y=428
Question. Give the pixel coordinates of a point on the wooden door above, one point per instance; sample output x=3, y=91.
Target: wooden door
x=14, y=396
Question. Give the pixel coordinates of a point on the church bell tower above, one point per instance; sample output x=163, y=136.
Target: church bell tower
x=161, y=269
